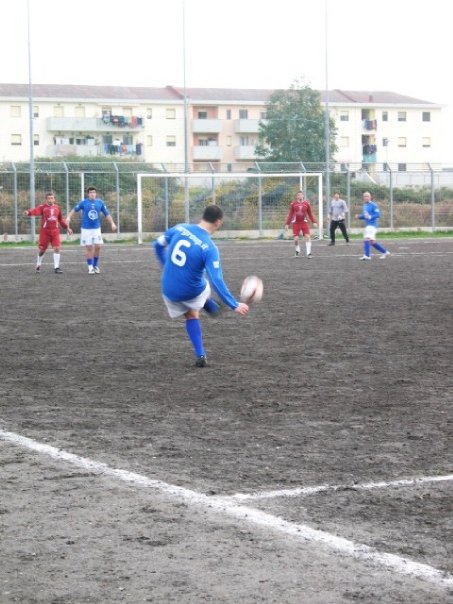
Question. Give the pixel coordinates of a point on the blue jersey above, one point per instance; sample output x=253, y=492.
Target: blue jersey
x=370, y=214
x=91, y=212
x=190, y=252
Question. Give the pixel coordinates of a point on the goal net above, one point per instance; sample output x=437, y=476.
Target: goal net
x=254, y=204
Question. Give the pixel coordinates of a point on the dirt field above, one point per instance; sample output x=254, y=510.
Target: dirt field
x=190, y=485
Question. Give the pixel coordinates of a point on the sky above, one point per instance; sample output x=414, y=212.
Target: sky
x=403, y=46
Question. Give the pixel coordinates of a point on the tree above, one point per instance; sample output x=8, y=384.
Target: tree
x=294, y=129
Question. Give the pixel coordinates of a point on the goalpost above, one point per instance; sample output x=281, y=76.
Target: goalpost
x=255, y=203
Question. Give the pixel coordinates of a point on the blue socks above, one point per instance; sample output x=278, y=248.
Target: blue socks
x=379, y=247
x=95, y=260
x=193, y=328
x=367, y=248
x=211, y=307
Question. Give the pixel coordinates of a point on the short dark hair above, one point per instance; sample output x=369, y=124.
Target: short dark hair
x=212, y=213
x=91, y=189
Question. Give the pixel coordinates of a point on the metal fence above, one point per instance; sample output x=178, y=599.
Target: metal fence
x=418, y=198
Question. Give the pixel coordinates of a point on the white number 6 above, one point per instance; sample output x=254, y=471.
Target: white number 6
x=178, y=257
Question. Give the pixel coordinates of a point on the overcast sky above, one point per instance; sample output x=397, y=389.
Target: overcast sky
x=404, y=46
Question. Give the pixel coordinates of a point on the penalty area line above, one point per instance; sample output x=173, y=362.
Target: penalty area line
x=226, y=507
x=366, y=486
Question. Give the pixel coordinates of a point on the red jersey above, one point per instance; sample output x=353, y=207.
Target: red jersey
x=51, y=216
x=298, y=211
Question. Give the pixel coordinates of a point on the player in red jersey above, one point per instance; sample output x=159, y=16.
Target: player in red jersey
x=51, y=218
x=299, y=209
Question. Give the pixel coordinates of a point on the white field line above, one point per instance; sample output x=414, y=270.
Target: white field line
x=366, y=486
x=227, y=507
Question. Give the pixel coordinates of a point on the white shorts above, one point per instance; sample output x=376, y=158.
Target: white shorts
x=91, y=237
x=176, y=309
x=370, y=233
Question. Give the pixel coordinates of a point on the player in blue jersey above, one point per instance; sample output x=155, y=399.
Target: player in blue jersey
x=370, y=214
x=185, y=252
x=90, y=235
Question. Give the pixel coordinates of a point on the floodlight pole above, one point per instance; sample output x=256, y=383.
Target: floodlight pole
x=327, y=117
x=30, y=122
x=186, y=150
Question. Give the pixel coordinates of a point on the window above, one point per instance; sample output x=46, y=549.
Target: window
x=170, y=113
x=149, y=113
x=229, y=141
x=229, y=167
x=426, y=116
x=344, y=116
x=58, y=111
x=149, y=140
x=228, y=114
x=243, y=114
x=202, y=115
x=16, y=139
x=202, y=142
x=263, y=115
x=402, y=116
x=35, y=111
x=79, y=111
x=36, y=140
x=15, y=111
x=385, y=116
x=426, y=141
x=402, y=141
x=244, y=141
x=171, y=141
x=402, y=167
x=344, y=141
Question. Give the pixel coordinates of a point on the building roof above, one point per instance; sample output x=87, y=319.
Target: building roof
x=70, y=91
x=200, y=95
x=371, y=96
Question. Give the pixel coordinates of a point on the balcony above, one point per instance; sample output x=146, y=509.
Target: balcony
x=206, y=126
x=93, y=124
x=369, y=125
x=206, y=152
x=246, y=126
x=244, y=152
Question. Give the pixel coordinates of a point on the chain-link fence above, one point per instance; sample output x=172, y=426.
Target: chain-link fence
x=413, y=199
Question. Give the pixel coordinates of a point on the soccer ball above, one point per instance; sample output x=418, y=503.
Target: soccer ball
x=251, y=289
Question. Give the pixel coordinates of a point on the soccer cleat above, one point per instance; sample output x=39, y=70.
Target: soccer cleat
x=91, y=270
x=58, y=271
x=201, y=361
x=309, y=256
x=384, y=255
x=96, y=269
x=38, y=269
x=365, y=258
x=297, y=254
x=331, y=243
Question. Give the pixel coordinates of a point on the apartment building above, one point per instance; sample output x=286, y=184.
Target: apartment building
x=200, y=126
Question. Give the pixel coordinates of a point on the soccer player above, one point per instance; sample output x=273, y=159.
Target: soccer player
x=49, y=234
x=370, y=214
x=90, y=234
x=185, y=252
x=337, y=214
x=299, y=209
